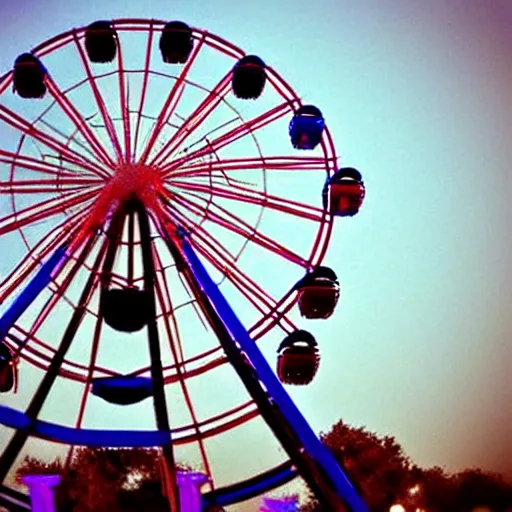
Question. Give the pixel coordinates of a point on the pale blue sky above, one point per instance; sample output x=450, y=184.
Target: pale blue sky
x=418, y=98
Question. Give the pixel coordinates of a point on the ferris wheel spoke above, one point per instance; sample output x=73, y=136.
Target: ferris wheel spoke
x=144, y=90
x=161, y=222
x=157, y=377
x=205, y=108
x=236, y=277
x=45, y=186
x=169, y=309
x=278, y=163
x=166, y=306
x=236, y=225
x=171, y=102
x=26, y=128
x=71, y=267
x=249, y=288
x=173, y=336
x=39, y=165
x=109, y=125
x=81, y=125
x=6, y=81
x=225, y=261
x=60, y=234
x=88, y=382
x=125, y=113
x=239, y=193
x=247, y=128
x=61, y=289
x=173, y=217
x=44, y=210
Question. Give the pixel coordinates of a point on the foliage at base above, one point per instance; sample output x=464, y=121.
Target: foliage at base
x=105, y=480
x=385, y=476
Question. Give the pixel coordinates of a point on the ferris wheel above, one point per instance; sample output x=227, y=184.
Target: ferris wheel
x=166, y=204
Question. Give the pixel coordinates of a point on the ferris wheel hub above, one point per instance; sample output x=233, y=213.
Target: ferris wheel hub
x=135, y=180
x=130, y=181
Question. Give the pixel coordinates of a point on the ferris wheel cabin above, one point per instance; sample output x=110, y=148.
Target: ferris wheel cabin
x=176, y=42
x=125, y=309
x=101, y=42
x=123, y=390
x=319, y=292
x=29, y=76
x=344, y=192
x=298, y=358
x=249, y=77
x=306, y=127
x=7, y=369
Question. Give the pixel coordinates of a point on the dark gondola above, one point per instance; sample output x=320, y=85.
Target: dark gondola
x=29, y=76
x=101, y=41
x=344, y=192
x=125, y=310
x=123, y=390
x=306, y=127
x=319, y=291
x=298, y=359
x=249, y=77
x=176, y=42
x=7, y=369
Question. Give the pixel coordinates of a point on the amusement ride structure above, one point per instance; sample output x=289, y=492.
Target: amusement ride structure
x=148, y=216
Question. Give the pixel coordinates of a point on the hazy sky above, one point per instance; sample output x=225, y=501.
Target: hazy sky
x=418, y=98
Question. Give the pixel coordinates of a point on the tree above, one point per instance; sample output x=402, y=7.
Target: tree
x=377, y=466
x=33, y=466
x=105, y=480
x=438, y=489
x=384, y=475
x=477, y=488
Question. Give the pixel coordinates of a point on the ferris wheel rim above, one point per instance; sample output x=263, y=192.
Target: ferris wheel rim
x=283, y=305
x=277, y=310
